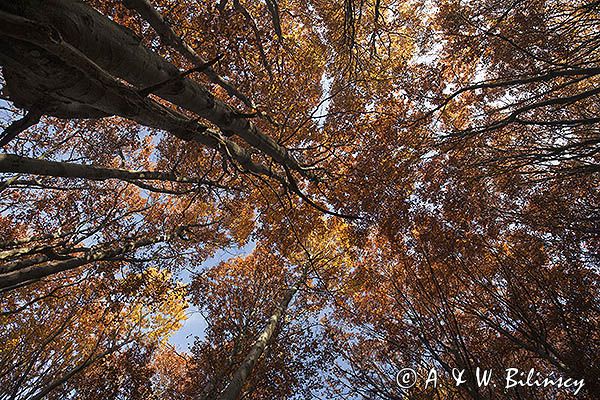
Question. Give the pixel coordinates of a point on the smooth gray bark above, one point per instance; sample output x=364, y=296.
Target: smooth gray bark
x=118, y=51
x=40, y=67
x=26, y=165
x=240, y=376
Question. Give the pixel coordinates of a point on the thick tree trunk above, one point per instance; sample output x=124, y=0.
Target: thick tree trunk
x=118, y=51
x=42, y=69
x=240, y=376
x=59, y=66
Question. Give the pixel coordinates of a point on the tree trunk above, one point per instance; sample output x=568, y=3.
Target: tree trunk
x=29, y=273
x=117, y=50
x=240, y=376
x=42, y=69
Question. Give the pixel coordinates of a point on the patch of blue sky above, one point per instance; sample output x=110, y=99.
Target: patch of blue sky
x=195, y=325
x=320, y=113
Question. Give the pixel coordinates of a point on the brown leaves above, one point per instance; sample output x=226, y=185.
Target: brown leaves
x=464, y=136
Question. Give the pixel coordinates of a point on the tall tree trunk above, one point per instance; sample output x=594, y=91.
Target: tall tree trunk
x=71, y=79
x=118, y=51
x=41, y=68
x=240, y=376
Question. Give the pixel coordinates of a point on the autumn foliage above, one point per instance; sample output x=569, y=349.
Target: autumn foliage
x=341, y=189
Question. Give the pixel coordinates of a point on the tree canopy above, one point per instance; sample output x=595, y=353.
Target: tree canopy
x=414, y=184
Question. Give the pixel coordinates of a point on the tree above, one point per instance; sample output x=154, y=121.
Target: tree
x=417, y=180
x=58, y=336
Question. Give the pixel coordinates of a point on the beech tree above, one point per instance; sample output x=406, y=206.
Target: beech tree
x=417, y=183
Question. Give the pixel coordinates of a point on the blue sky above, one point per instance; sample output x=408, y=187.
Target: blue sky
x=195, y=325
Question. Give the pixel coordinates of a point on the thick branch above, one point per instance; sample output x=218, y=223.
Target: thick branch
x=169, y=37
x=12, y=131
x=26, y=165
x=35, y=272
